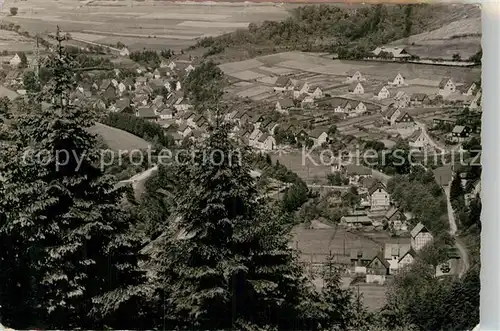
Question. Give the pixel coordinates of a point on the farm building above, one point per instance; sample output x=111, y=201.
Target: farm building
x=123, y=106
x=319, y=136
x=15, y=61
x=283, y=84
x=377, y=270
x=460, y=133
x=341, y=105
x=165, y=113
x=306, y=101
x=356, y=221
x=183, y=130
x=420, y=237
x=468, y=89
x=356, y=77
x=393, y=252
x=316, y=93
x=265, y=142
x=379, y=198
x=124, y=51
x=284, y=105
x=446, y=87
x=418, y=140
x=419, y=99
x=146, y=113
x=300, y=89
x=391, y=52
x=475, y=103
x=396, y=219
x=407, y=259
x=404, y=120
x=361, y=257
x=356, y=172
x=399, y=80
x=402, y=99
x=360, y=108
x=381, y=93
x=356, y=88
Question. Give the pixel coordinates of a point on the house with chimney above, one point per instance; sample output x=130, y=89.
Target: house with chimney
x=446, y=87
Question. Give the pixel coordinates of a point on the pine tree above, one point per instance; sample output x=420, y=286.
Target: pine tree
x=225, y=260
x=68, y=252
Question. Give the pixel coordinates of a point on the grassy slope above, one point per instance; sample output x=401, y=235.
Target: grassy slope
x=318, y=27
x=117, y=139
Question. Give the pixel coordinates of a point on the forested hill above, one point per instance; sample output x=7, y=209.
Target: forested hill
x=328, y=27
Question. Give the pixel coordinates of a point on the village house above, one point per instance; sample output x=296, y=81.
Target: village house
x=183, y=130
x=269, y=126
x=418, y=140
x=359, y=109
x=166, y=114
x=156, y=74
x=340, y=105
x=468, y=89
x=306, y=101
x=419, y=99
x=404, y=120
x=391, y=114
x=140, y=99
x=284, y=105
x=381, y=93
x=283, y=84
x=121, y=88
x=360, y=259
x=316, y=93
x=379, y=197
x=377, y=270
x=129, y=83
x=266, y=142
x=392, y=52
x=114, y=82
x=472, y=189
x=319, y=136
x=357, y=77
x=185, y=117
x=460, y=133
x=356, y=221
x=254, y=136
x=181, y=104
x=15, y=61
x=356, y=172
x=393, y=252
x=146, y=113
x=356, y=88
x=123, y=106
x=402, y=99
x=399, y=80
x=198, y=122
x=446, y=87
x=170, y=65
x=99, y=105
x=140, y=81
x=396, y=220
x=300, y=88
x=124, y=51
x=420, y=237
x=407, y=259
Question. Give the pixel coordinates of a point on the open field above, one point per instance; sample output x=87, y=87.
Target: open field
x=12, y=42
x=141, y=24
x=117, y=139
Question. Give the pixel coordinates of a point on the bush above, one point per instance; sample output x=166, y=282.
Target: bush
x=13, y=11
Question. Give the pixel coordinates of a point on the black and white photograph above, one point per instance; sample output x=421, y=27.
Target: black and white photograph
x=247, y=166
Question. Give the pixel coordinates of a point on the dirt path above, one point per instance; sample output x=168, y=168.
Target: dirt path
x=464, y=255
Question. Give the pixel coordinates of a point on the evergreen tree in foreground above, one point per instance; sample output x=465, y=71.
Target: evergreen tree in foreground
x=225, y=261
x=68, y=254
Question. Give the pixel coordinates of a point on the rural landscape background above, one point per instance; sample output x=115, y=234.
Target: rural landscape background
x=104, y=233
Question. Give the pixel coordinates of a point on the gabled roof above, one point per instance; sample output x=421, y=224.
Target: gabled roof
x=400, y=95
x=381, y=259
x=415, y=135
x=443, y=82
x=389, y=112
x=377, y=185
x=122, y=104
x=263, y=138
x=391, y=212
x=411, y=252
x=286, y=103
x=418, y=229
x=339, y=102
x=418, y=96
x=378, y=89
x=352, y=87
x=363, y=254
x=317, y=132
x=105, y=84
x=188, y=115
x=300, y=85
x=282, y=81
x=402, y=115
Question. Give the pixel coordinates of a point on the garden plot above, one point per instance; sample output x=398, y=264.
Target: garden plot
x=247, y=75
x=242, y=84
x=267, y=80
x=204, y=24
x=232, y=67
x=263, y=97
x=429, y=90
x=186, y=16
x=255, y=91
x=423, y=82
x=87, y=36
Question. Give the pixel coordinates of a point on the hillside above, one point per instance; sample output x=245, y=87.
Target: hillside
x=332, y=28
x=117, y=139
x=461, y=37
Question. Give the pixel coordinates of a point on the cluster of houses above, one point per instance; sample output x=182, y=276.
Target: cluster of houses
x=293, y=95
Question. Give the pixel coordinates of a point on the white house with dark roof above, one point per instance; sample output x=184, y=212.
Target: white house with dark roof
x=399, y=80
x=418, y=140
x=319, y=136
x=284, y=105
x=282, y=84
x=124, y=51
x=356, y=88
x=446, y=87
x=393, y=252
x=468, y=89
x=146, y=113
x=15, y=61
x=316, y=93
x=381, y=93
x=356, y=77
x=379, y=197
x=402, y=99
x=300, y=89
x=420, y=237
